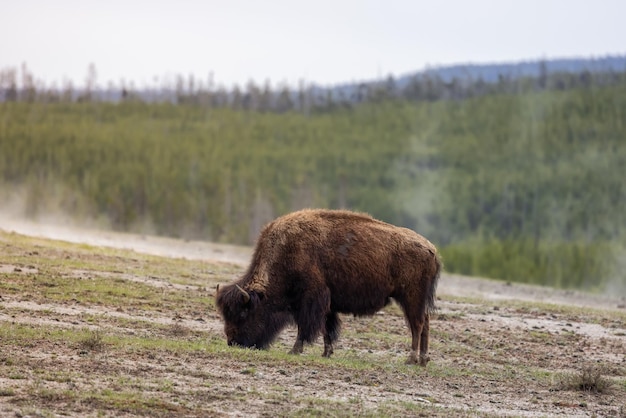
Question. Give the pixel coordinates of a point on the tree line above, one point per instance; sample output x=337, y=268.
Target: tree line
x=20, y=84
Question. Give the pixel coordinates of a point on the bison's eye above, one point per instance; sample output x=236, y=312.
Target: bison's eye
x=243, y=314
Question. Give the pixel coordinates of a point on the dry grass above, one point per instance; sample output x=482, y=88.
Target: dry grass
x=93, y=341
x=591, y=378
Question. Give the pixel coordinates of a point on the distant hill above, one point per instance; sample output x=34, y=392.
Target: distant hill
x=492, y=72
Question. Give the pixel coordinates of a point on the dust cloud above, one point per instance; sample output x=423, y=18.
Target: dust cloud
x=56, y=225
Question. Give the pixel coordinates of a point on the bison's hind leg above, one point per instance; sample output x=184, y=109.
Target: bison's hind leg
x=331, y=332
x=419, y=325
x=424, y=358
x=420, y=333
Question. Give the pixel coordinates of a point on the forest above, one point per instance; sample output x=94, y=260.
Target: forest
x=520, y=180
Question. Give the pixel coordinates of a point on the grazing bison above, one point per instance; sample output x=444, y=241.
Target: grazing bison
x=310, y=265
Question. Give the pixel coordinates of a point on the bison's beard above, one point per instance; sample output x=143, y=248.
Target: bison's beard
x=260, y=334
x=246, y=344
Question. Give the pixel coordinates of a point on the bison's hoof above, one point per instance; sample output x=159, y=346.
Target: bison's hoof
x=298, y=348
x=422, y=360
x=327, y=353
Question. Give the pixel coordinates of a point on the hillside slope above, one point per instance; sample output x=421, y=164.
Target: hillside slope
x=92, y=331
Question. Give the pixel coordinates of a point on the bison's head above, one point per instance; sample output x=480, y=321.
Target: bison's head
x=248, y=319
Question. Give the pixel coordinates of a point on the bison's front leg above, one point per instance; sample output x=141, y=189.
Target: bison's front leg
x=298, y=347
x=309, y=314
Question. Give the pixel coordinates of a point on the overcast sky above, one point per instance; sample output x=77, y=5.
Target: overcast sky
x=321, y=41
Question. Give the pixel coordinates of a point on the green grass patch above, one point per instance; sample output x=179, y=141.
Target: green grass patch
x=7, y=392
x=118, y=279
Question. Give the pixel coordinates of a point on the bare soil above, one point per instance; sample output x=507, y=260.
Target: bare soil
x=497, y=349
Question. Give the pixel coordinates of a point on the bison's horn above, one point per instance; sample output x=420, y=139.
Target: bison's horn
x=246, y=296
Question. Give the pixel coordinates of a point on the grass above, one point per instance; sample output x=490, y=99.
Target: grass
x=93, y=341
x=119, y=333
x=108, y=290
x=474, y=304
x=590, y=378
x=7, y=392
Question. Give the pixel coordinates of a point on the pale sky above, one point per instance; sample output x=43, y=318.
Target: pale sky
x=321, y=41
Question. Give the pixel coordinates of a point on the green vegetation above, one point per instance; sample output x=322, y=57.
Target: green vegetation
x=524, y=186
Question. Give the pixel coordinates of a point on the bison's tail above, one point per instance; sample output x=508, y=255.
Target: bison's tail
x=432, y=286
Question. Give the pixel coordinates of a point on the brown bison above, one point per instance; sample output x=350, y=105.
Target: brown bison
x=311, y=265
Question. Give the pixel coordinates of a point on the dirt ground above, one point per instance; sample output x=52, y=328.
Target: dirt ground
x=497, y=349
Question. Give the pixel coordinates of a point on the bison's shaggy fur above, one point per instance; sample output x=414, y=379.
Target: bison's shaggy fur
x=310, y=265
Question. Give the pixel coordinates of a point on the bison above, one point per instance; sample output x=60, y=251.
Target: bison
x=310, y=265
